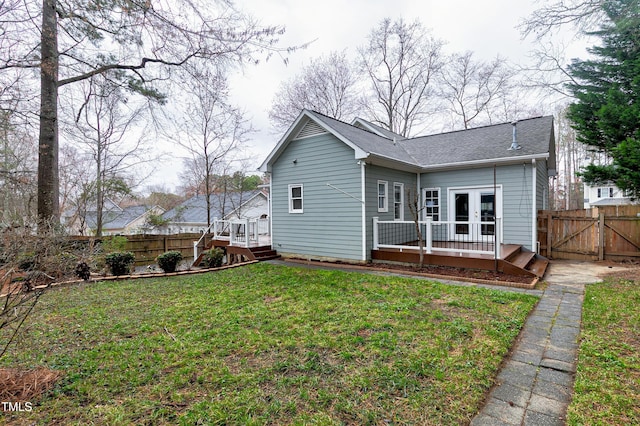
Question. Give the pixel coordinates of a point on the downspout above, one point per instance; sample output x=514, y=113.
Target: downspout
x=364, y=211
x=269, y=204
x=419, y=195
x=534, y=210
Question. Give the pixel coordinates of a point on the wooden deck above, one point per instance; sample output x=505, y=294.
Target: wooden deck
x=514, y=259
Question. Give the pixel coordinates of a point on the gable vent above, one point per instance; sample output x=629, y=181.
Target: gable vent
x=310, y=129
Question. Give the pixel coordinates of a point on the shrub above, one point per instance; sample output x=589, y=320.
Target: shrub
x=169, y=261
x=83, y=271
x=213, y=258
x=119, y=262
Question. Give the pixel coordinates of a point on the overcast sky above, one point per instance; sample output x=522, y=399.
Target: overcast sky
x=487, y=28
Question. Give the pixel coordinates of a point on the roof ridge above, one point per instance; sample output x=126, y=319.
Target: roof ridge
x=477, y=128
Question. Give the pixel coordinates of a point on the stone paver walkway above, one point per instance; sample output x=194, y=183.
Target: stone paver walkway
x=536, y=384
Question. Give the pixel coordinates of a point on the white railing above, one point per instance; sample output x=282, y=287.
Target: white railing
x=440, y=236
x=240, y=232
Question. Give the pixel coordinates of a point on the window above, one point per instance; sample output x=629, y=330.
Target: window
x=398, y=201
x=295, y=198
x=383, y=205
x=605, y=192
x=432, y=203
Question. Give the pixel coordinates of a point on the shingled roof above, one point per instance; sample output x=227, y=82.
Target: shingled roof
x=478, y=146
x=194, y=210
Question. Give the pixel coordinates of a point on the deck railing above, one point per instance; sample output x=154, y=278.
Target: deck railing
x=440, y=236
x=239, y=232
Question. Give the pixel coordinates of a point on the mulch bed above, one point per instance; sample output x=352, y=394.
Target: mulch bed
x=26, y=385
x=456, y=273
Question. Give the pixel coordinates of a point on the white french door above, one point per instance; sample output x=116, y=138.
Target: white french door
x=474, y=206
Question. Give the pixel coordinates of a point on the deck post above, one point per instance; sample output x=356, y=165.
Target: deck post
x=498, y=232
x=375, y=232
x=429, y=235
x=215, y=228
x=195, y=250
x=247, y=233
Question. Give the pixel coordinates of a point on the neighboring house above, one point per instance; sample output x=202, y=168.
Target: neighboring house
x=116, y=220
x=191, y=215
x=329, y=179
x=604, y=195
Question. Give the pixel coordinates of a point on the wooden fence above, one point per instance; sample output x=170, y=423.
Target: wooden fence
x=611, y=233
x=147, y=247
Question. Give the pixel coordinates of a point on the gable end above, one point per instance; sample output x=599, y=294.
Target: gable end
x=311, y=128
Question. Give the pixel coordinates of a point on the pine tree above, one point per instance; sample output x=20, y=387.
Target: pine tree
x=606, y=115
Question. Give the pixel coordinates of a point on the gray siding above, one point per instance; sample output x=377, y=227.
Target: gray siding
x=542, y=201
x=373, y=175
x=516, y=182
x=330, y=226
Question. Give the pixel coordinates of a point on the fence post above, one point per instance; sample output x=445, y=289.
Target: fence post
x=375, y=233
x=601, y=236
x=549, y=236
x=429, y=234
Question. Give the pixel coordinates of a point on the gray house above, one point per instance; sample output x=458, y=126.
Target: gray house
x=341, y=191
x=191, y=215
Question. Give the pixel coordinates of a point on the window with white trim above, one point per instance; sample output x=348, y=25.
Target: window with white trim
x=383, y=199
x=605, y=192
x=432, y=203
x=295, y=198
x=398, y=201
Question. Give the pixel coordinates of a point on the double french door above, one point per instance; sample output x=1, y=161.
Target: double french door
x=475, y=211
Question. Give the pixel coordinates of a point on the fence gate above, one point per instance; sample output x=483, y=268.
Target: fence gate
x=611, y=233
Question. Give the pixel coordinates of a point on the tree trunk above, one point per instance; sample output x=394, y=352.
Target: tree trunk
x=48, y=203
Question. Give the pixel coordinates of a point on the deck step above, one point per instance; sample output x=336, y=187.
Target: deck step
x=265, y=254
x=539, y=266
x=522, y=259
x=510, y=251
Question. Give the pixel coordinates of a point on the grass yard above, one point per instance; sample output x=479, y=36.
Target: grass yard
x=266, y=344
x=607, y=386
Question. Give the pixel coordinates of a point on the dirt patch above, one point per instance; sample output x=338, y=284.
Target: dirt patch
x=26, y=385
x=630, y=273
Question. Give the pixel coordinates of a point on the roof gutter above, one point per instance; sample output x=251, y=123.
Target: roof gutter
x=491, y=161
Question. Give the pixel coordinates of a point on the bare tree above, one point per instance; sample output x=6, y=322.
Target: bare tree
x=17, y=174
x=211, y=129
x=136, y=40
x=475, y=89
x=583, y=15
x=413, y=198
x=327, y=85
x=103, y=126
x=401, y=61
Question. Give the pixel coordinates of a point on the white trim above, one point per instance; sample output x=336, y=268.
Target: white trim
x=498, y=203
x=364, y=210
x=401, y=186
x=385, y=208
x=534, y=207
x=491, y=161
x=270, y=207
x=424, y=200
x=291, y=209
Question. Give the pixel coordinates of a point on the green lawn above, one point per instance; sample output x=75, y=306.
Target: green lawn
x=607, y=387
x=265, y=344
